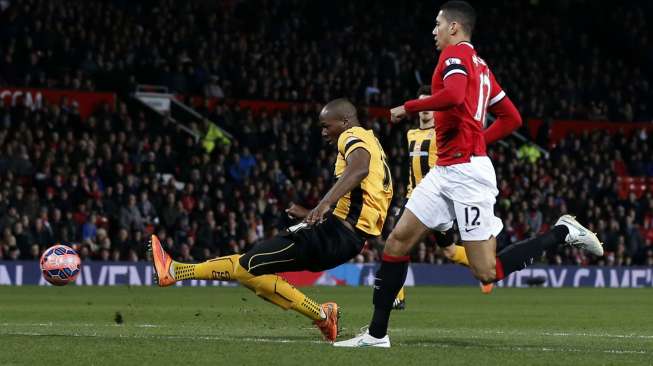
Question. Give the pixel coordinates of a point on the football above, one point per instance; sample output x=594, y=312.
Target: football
x=60, y=264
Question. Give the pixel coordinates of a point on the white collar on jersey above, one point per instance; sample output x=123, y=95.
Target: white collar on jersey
x=466, y=43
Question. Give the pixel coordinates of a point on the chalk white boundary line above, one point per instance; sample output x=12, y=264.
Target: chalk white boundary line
x=297, y=341
x=393, y=330
x=522, y=333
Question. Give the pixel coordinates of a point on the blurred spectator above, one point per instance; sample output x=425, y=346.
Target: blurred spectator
x=326, y=49
x=130, y=216
x=89, y=229
x=213, y=212
x=105, y=183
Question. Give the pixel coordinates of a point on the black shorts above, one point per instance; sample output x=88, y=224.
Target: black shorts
x=302, y=247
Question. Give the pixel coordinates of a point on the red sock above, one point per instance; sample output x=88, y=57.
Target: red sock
x=395, y=258
x=499, y=270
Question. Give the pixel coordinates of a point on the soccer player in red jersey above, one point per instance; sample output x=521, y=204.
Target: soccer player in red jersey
x=462, y=186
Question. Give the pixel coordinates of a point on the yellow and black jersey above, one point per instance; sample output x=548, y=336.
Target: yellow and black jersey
x=422, y=151
x=366, y=206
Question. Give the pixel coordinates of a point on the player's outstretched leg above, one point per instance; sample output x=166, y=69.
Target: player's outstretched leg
x=566, y=230
x=579, y=236
x=270, y=287
x=276, y=290
x=167, y=271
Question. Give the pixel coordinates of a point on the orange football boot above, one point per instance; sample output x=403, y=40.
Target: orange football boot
x=162, y=263
x=329, y=325
x=487, y=288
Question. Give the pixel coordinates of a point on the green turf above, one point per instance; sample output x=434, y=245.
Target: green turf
x=230, y=326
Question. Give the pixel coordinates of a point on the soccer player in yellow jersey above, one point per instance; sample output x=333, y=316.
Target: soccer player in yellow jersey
x=332, y=233
x=422, y=151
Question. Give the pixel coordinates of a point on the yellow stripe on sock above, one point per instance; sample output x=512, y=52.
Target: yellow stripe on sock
x=401, y=295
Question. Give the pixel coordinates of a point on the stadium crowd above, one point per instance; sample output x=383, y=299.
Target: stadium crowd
x=318, y=50
x=107, y=182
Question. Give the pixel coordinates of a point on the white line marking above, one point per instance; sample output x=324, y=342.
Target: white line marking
x=392, y=330
x=303, y=341
x=535, y=333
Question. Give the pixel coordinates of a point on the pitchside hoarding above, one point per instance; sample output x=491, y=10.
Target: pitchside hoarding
x=87, y=102
x=20, y=273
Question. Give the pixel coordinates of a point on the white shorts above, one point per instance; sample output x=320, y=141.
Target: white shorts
x=465, y=192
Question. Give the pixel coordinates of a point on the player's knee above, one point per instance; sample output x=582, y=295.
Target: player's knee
x=240, y=272
x=484, y=274
x=395, y=246
x=487, y=277
x=261, y=285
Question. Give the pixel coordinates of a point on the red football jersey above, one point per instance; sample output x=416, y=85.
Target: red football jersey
x=459, y=130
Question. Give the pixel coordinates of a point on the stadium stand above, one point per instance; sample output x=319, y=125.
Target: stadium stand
x=109, y=179
x=245, y=50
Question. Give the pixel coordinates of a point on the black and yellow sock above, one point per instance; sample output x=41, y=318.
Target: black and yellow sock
x=276, y=290
x=222, y=268
x=270, y=287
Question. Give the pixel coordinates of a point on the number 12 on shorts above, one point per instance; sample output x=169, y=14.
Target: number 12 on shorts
x=472, y=212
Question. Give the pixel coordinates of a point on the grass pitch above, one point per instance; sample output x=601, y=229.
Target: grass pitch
x=230, y=326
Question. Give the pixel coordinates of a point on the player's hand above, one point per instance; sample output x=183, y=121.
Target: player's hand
x=296, y=211
x=397, y=114
x=316, y=216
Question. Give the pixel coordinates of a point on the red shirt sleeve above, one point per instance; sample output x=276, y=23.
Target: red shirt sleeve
x=507, y=120
x=451, y=73
x=496, y=92
x=450, y=96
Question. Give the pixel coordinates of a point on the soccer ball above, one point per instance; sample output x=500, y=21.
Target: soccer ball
x=60, y=264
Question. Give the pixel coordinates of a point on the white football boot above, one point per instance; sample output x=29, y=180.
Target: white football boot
x=365, y=340
x=579, y=236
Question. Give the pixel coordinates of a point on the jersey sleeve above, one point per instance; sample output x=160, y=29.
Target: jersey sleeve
x=453, y=61
x=348, y=142
x=496, y=92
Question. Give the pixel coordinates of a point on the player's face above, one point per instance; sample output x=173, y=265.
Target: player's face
x=426, y=116
x=331, y=129
x=441, y=32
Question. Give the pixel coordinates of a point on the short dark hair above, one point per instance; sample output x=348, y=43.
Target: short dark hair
x=461, y=12
x=424, y=90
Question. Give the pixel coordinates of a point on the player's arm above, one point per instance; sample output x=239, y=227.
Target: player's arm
x=358, y=163
x=296, y=211
x=507, y=116
x=451, y=95
x=507, y=120
x=454, y=78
